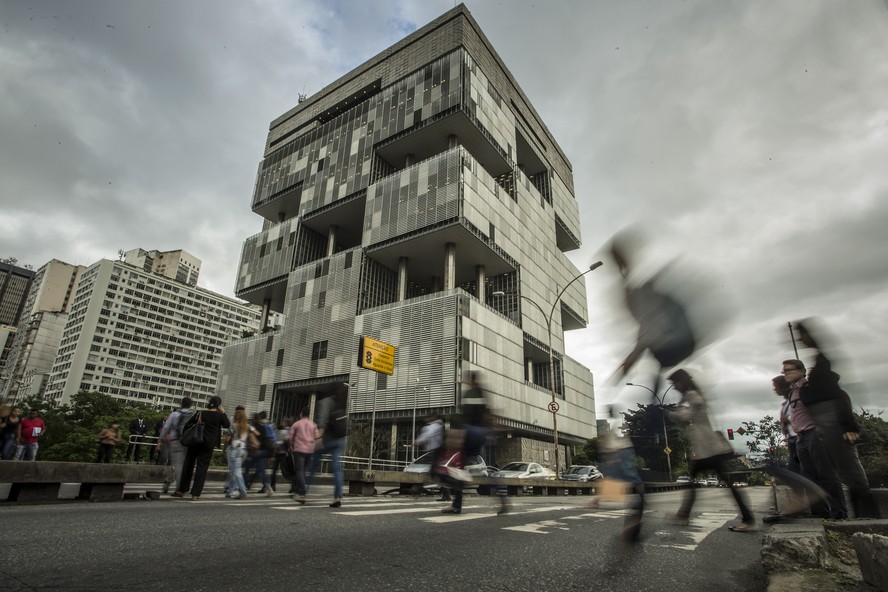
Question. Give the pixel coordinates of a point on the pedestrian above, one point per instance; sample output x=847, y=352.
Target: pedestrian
x=781, y=388
x=431, y=439
x=814, y=458
x=236, y=452
x=169, y=439
x=265, y=433
x=157, y=453
x=198, y=455
x=332, y=421
x=710, y=449
x=302, y=437
x=31, y=430
x=281, y=451
x=138, y=428
x=10, y=428
x=108, y=440
x=831, y=411
x=619, y=466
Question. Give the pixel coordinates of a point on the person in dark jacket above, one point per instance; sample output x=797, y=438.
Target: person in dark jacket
x=830, y=408
x=214, y=420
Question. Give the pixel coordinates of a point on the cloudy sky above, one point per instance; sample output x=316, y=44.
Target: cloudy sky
x=751, y=136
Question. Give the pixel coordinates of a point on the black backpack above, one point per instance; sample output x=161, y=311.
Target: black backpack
x=337, y=424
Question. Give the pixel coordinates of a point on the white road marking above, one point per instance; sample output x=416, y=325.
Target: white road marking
x=537, y=527
x=698, y=529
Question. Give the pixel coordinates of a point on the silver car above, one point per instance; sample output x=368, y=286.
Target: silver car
x=582, y=473
x=524, y=470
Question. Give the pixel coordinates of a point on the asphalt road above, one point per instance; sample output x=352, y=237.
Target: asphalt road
x=371, y=544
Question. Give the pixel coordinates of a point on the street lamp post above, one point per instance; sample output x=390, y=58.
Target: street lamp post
x=553, y=406
x=660, y=400
x=415, y=397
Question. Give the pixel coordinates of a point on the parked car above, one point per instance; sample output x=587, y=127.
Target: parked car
x=683, y=479
x=712, y=482
x=475, y=465
x=582, y=473
x=525, y=470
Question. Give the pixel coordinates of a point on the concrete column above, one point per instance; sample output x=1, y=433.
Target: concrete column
x=266, y=311
x=449, y=266
x=402, y=279
x=452, y=141
x=331, y=240
x=480, y=282
x=393, y=443
x=529, y=364
x=409, y=159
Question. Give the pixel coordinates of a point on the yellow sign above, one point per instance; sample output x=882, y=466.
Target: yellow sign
x=377, y=355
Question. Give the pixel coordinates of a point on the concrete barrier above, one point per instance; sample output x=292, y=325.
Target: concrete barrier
x=40, y=481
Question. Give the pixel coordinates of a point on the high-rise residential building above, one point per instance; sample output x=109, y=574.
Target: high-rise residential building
x=40, y=331
x=420, y=201
x=143, y=337
x=177, y=265
x=15, y=283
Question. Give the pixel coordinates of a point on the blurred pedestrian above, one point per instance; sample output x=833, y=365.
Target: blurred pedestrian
x=155, y=450
x=198, y=455
x=831, y=411
x=264, y=432
x=332, y=421
x=108, y=440
x=10, y=428
x=622, y=474
x=781, y=389
x=236, y=452
x=302, y=438
x=711, y=450
x=281, y=452
x=32, y=428
x=170, y=435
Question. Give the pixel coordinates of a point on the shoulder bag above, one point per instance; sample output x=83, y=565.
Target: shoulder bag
x=193, y=432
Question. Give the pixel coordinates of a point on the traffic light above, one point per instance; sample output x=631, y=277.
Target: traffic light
x=730, y=434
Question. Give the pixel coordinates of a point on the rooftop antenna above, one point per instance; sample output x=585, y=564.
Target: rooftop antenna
x=302, y=96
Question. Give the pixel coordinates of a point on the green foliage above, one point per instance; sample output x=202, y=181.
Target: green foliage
x=646, y=428
x=71, y=430
x=767, y=437
x=873, y=447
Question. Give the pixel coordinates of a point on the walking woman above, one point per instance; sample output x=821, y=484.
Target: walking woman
x=302, y=438
x=200, y=454
x=108, y=440
x=711, y=449
x=237, y=452
x=10, y=431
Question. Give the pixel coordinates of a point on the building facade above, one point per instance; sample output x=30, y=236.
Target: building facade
x=177, y=265
x=418, y=200
x=144, y=338
x=40, y=332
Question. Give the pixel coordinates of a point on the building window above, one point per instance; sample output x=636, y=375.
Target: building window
x=319, y=350
x=262, y=393
x=280, y=358
x=322, y=299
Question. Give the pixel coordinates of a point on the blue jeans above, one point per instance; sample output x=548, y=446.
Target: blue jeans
x=334, y=447
x=259, y=462
x=27, y=452
x=7, y=447
x=236, y=458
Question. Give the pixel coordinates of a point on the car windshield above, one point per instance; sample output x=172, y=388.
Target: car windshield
x=515, y=466
x=425, y=459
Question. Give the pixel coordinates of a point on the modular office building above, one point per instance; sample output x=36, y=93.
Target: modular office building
x=420, y=201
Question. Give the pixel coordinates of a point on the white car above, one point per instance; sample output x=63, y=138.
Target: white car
x=683, y=479
x=524, y=470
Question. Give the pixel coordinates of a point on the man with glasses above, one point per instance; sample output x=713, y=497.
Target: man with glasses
x=816, y=462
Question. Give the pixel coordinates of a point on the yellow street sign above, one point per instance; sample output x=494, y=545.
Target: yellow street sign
x=376, y=355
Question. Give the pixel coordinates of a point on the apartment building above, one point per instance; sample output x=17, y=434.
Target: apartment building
x=144, y=337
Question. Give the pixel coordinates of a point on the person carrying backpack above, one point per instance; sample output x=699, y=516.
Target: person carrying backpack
x=332, y=421
x=265, y=433
x=169, y=438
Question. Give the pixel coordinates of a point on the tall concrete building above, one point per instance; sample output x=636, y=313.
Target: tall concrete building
x=143, y=337
x=177, y=265
x=38, y=335
x=15, y=283
x=418, y=200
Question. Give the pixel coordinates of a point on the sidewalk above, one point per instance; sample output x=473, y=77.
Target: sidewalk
x=826, y=555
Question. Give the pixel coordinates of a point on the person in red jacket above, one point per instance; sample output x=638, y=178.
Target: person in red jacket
x=32, y=429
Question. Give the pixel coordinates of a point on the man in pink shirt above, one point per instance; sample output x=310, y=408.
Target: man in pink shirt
x=32, y=428
x=303, y=438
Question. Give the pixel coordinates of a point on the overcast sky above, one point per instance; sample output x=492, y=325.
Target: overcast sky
x=751, y=136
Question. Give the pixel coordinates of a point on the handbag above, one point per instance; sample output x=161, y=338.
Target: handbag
x=193, y=432
x=253, y=443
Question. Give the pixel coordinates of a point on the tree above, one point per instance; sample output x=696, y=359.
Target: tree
x=645, y=428
x=767, y=438
x=873, y=447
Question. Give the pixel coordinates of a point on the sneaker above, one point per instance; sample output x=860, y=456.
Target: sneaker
x=336, y=504
x=269, y=492
x=178, y=494
x=774, y=518
x=194, y=498
x=451, y=510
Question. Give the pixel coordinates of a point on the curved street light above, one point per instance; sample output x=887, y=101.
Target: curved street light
x=554, y=404
x=660, y=400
